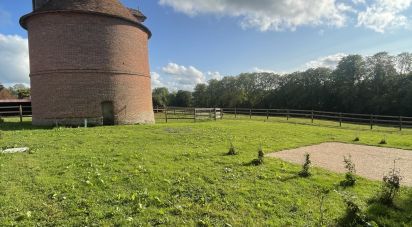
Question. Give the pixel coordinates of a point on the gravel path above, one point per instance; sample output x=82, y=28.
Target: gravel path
x=371, y=162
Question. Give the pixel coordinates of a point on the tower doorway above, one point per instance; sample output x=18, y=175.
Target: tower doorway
x=108, y=113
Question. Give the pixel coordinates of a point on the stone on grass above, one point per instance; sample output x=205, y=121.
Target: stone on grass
x=15, y=150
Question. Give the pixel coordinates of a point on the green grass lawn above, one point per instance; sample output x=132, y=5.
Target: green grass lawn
x=177, y=174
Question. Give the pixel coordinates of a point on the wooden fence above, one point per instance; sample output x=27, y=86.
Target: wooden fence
x=364, y=119
x=16, y=110
x=195, y=114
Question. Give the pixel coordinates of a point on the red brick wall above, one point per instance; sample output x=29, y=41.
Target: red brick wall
x=78, y=61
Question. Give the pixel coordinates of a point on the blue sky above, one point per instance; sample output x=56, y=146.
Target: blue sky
x=196, y=40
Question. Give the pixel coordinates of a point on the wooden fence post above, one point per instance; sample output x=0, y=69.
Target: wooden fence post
x=267, y=114
x=21, y=113
x=312, y=116
x=400, y=123
x=287, y=115
x=250, y=113
x=340, y=119
x=215, y=114
x=235, y=112
x=194, y=115
x=371, y=121
x=221, y=113
x=165, y=109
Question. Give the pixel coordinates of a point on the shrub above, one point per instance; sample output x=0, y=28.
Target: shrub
x=1, y=120
x=232, y=150
x=350, y=177
x=305, y=172
x=260, y=158
x=322, y=194
x=391, y=186
x=354, y=215
x=383, y=141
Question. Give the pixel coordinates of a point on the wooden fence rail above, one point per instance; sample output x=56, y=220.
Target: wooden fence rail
x=13, y=111
x=179, y=113
x=365, y=119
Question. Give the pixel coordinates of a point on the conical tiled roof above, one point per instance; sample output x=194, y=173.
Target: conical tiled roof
x=104, y=7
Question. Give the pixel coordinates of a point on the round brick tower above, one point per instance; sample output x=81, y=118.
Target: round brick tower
x=88, y=60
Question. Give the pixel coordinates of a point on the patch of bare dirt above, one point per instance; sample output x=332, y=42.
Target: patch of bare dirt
x=371, y=162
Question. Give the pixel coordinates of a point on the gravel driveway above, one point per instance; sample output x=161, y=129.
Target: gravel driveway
x=371, y=162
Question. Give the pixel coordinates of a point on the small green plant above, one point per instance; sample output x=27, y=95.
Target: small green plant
x=391, y=186
x=305, y=172
x=232, y=150
x=357, y=137
x=260, y=158
x=383, y=141
x=350, y=177
x=322, y=194
x=354, y=215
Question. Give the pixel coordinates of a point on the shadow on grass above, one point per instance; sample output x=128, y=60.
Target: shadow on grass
x=15, y=126
x=399, y=214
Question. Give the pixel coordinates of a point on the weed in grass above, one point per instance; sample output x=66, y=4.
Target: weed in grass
x=383, y=141
x=357, y=137
x=232, y=150
x=305, y=172
x=322, y=194
x=354, y=215
x=391, y=186
x=260, y=158
x=350, y=177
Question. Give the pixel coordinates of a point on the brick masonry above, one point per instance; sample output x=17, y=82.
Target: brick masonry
x=79, y=60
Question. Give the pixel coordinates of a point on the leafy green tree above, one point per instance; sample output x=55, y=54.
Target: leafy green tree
x=380, y=84
x=347, y=78
x=160, y=97
x=200, y=96
x=20, y=91
x=404, y=63
x=183, y=99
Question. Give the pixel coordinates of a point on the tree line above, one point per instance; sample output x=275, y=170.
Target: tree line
x=18, y=91
x=378, y=84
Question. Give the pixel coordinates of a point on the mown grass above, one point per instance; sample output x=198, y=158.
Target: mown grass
x=178, y=174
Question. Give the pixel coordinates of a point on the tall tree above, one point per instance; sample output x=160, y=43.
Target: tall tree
x=160, y=97
x=20, y=90
x=404, y=63
x=347, y=77
x=183, y=99
x=200, y=97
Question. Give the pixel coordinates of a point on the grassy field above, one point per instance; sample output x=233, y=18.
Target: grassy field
x=177, y=174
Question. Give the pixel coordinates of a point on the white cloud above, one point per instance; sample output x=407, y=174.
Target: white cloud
x=14, y=59
x=182, y=77
x=265, y=15
x=179, y=77
x=269, y=14
x=330, y=61
x=259, y=70
x=214, y=75
x=156, y=80
x=384, y=15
